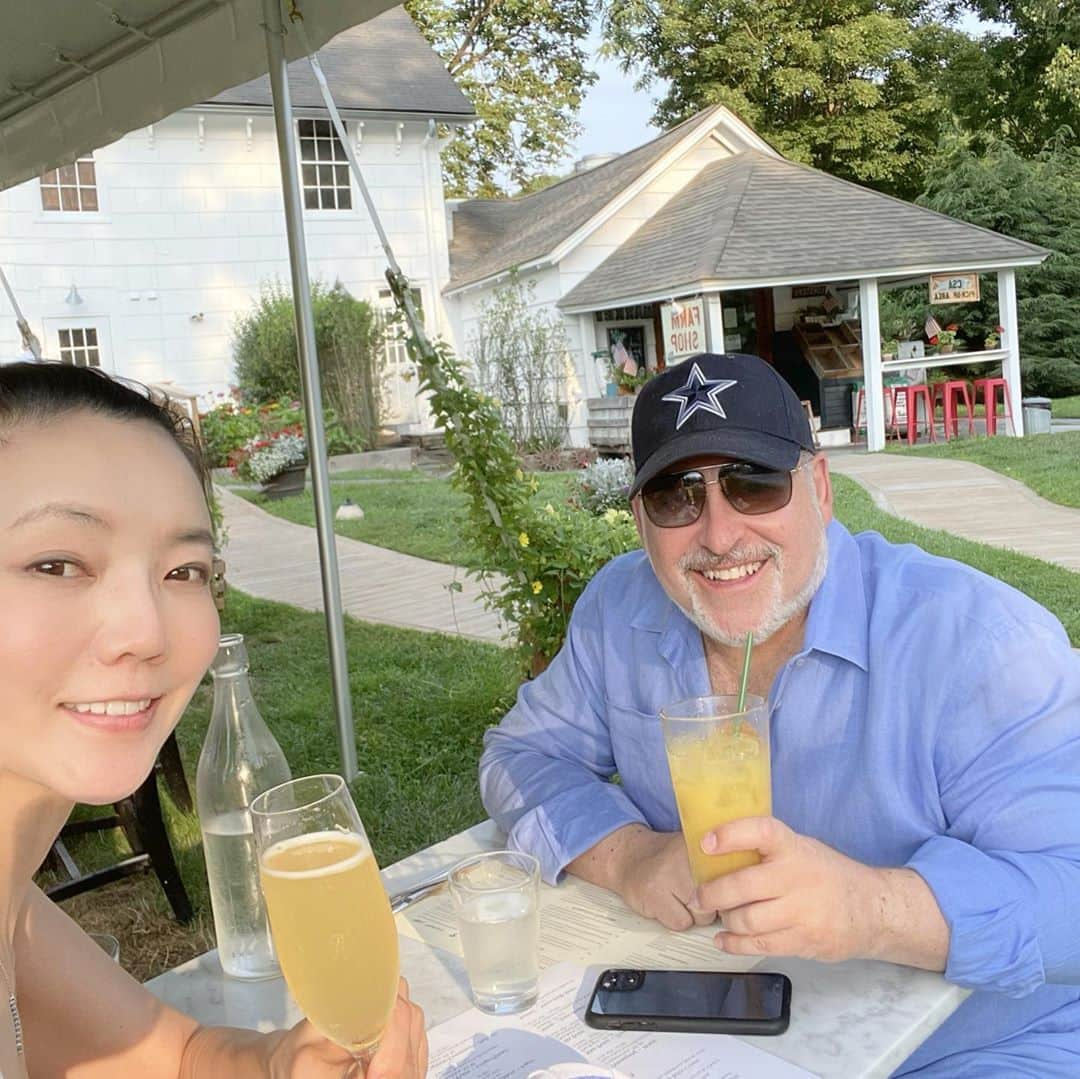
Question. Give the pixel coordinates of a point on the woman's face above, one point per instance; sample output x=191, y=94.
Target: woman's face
x=106, y=618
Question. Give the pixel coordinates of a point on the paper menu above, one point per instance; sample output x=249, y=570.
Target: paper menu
x=552, y=1036
x=583, y=923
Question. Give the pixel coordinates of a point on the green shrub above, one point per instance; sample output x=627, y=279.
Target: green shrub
x=348, y=336
x=225, y=428
x=228, y=426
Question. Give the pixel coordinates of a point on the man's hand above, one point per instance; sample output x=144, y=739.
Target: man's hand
x=806, y=899
x=649, y=870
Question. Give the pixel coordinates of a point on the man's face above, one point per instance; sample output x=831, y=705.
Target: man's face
x=733, y=573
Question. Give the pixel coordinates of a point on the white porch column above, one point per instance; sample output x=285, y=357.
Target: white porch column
x=1010, y=341
x=870, y=324
x=714, y=323
x=592, y=382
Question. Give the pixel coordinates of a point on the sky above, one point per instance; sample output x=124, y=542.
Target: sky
x=615, y=116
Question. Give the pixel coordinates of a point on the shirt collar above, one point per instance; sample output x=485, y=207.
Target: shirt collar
x=835, y=624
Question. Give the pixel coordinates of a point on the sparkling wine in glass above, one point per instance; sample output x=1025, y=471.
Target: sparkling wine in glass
x=329, y=914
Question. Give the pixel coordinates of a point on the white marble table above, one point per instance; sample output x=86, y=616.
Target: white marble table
x=852, y=1020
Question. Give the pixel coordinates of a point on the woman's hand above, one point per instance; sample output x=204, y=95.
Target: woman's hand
x=303, y=1053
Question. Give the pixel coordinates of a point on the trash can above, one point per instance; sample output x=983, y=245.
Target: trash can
x=1036, y=415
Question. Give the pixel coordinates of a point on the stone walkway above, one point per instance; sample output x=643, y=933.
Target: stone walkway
x=967, y=500
x=275, y=559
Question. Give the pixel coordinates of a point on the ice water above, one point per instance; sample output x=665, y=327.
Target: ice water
x=499, y=936
x=232, y=866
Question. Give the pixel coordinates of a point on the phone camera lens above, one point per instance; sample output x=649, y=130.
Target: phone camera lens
x=608, y=982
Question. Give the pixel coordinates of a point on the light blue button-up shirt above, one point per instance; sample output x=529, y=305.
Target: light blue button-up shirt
x=931, y=720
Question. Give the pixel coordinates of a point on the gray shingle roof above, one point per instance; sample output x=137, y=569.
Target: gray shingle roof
x=381, y=66
x=756, y=217
x=492, y=235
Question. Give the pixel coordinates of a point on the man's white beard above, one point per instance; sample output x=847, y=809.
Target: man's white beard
x=780, y=613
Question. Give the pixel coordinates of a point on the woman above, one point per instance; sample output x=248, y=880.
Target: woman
x=107, y=627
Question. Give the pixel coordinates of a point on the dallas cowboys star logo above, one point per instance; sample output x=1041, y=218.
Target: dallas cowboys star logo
x=699, y=393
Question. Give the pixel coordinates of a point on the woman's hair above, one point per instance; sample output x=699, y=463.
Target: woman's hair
x=41, y=392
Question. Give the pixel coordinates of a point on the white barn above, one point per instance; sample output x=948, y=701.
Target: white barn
x=139, y=257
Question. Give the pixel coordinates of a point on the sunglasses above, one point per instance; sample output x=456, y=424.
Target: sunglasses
x=676, y=499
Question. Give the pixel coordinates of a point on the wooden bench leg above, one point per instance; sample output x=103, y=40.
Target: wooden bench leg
x=172, y=769
x=149, y=827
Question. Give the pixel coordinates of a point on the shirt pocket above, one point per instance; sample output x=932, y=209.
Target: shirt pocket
x=637, y=743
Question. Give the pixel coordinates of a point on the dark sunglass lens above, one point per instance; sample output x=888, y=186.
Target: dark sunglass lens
x=671, y=501
x=757, y=491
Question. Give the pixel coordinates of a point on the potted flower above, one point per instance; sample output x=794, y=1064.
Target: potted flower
x=889, y=350
x=277, y=460
x=946, y=338
x=993, y=338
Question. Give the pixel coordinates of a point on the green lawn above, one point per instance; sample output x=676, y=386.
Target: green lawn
x=1066, y=408
x=405, y=511
x=1048, y=464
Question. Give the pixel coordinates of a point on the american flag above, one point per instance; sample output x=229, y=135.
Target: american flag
x=932, y=327
x=623, y=359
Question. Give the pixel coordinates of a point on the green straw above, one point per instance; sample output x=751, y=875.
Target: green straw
x=745, y=672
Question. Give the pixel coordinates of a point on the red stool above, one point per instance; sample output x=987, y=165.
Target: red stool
x=952, y=394
x=989, y=387
x=912, y=395
x=889, y=400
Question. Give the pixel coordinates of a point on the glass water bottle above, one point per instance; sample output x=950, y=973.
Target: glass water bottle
x=240, y=759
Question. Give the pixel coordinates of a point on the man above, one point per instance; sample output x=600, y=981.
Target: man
x=925, y=730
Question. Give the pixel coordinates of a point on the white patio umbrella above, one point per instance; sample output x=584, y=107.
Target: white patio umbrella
x=76, y=76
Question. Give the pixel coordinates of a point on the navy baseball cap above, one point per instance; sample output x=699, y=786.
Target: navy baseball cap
x=730, y=405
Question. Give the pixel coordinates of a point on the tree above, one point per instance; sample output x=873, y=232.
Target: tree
x=1036, y=200
x=849, y=86
x=523, y=66
x=1022, y=85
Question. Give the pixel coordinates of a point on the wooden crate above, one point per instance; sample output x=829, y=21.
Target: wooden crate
x=609, y=423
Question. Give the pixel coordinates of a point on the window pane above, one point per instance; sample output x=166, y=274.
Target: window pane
x=91, y=336
x=327, y=196
x=85, y=171
x=339, y=150
x=341, y=176
x=326, y=176
x=50, y=198
x=311, y=198
x=50, y=177
x=322, y=128
x=78, y=338
x=69, y=198
x=310, y=177
x=67, y=174
x=92, y=358
x=307, y=149
x=344, y=199
x=65, y=339
x=322, y=150
x=89, y=198
x=306, y=127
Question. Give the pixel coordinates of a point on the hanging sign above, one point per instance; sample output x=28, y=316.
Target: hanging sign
x=684, y=328
x=954, y=288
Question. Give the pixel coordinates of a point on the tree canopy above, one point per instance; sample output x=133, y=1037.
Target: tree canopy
x=849, y=86
x=524, y=67
x=1035, y=199
x=1022, y=84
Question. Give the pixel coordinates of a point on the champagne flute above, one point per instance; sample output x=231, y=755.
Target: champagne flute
x=329, y=914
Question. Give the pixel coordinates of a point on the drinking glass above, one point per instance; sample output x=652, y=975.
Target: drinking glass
x=329, y=914
x=719, y=762
x=496, y=896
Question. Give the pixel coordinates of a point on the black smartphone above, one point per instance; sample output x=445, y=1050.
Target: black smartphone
x=691, y=1001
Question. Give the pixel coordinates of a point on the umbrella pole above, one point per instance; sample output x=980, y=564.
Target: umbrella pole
x=309, y=377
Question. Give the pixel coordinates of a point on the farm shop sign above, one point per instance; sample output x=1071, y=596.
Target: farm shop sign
x=684, y=328
x=954, y=288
